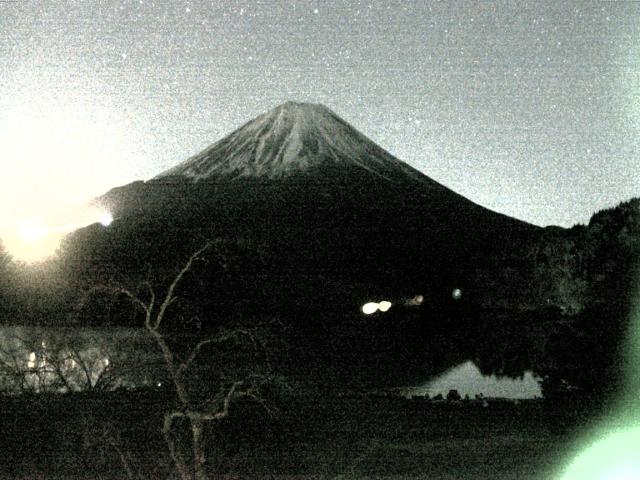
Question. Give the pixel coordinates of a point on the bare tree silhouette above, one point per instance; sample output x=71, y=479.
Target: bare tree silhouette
x=191, y=464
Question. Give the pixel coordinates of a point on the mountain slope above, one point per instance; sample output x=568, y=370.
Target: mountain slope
x=313, y=220
x=333, y=215
x=292, y=138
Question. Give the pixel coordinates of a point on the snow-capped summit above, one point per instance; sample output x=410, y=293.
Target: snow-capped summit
x=291, y=138
x=333, y=217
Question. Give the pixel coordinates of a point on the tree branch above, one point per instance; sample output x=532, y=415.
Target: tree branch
x=176, y=456
x=170, y=297
x=194, y=353
x=146, y=308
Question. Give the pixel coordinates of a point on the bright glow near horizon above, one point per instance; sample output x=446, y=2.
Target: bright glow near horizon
x=57, y=153
x=33, y=239
x=105, y=219
x=30, y=231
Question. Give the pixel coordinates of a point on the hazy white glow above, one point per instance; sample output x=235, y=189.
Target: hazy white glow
x=612, y=457
x=369, y=308
x=30, y=231
x=456, y=294
x=58, y=152
x=32, y=239
x=384, y=306
x=106, y=219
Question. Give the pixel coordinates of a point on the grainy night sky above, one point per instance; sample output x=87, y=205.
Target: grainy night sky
x=528, y=108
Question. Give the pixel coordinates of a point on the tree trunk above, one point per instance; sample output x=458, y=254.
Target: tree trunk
x=199, y=454
x=176, y=456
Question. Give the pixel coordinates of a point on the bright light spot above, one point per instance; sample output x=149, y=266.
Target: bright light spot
x=373, y=307
x=106, y=219
x=456, y=294
x=615, y=457
x=33, y=240
x=369, y=308
x=31, y=231
x=31, y=363
x=384, y=306
x=59, y=150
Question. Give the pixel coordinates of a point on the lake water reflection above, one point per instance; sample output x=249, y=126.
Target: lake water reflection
x=38, y=359
x=467, y=379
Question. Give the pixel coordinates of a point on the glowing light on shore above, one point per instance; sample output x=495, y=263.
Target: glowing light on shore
x=373, y=307
x=384, y=306
x=417, y=300
x=369, y=308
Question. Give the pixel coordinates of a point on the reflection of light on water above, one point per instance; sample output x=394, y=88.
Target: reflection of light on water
x=468, y=380
x=44, y=359
x=31, y=363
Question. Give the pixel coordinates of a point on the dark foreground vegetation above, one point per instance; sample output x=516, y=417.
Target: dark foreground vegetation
x=557, y=304
x=315, y=434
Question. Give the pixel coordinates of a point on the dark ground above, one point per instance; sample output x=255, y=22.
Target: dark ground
x=332, y=436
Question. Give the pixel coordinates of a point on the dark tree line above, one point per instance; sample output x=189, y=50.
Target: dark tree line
x=573, y=269
x=6, y=278
x=569, y=291
x=588, y=275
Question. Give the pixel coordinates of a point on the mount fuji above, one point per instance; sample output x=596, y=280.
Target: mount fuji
x=293, y=138
x=334, y=216
x=313, y=221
